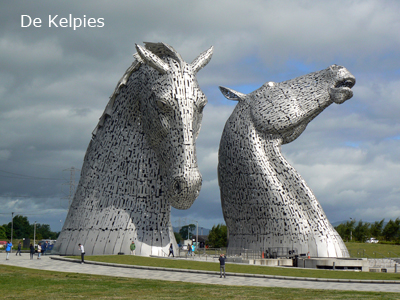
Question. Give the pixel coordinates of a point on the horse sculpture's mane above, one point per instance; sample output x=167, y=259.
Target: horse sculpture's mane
x=161, y=50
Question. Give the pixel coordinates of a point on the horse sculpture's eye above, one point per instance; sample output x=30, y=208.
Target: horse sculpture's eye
x=163, y=106
x=201, y=107
x=201, y=104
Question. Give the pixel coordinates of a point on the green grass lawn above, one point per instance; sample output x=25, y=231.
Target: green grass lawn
x=239, y=268
x=373, y=250
x=21, y=283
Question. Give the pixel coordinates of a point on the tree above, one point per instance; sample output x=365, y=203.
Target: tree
x=3, y=235
x=186, y=231
x=178, y=237
x=45, y=232
x=391, y=232
x=38, y=237
x=361, y=231
x=218, y=236
x=8, y=231
x=376, y=229
x=21, y=227
x=345, y=230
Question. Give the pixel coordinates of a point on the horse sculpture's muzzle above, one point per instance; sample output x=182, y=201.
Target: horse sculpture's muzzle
x=342, y=88
x=183, y=190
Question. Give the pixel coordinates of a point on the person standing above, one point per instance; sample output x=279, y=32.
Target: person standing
x=82, y=253
x=44, y=248
x=222, y=259
x=32, y=252
x=171, y=250
x=39, y=251
x=133, y=247
x=189, y=249
x=8, y=249
x=19, y=249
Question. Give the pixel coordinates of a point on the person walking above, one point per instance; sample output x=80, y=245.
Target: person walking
x=32, y=252
x=82, y=253
x=171, y=250
x=19, y=249
x=133, y=248
x=8, y=249
x=39, y=251
x=222, y=259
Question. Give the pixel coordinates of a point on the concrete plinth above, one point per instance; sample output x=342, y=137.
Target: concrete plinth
x=334, y=263
x=287, y=262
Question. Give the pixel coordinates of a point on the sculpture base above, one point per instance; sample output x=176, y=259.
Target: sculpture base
x=268, y=246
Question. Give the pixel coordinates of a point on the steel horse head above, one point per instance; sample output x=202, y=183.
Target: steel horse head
x=172, y=110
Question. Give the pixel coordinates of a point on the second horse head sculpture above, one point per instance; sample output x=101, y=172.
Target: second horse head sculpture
x=266, y=204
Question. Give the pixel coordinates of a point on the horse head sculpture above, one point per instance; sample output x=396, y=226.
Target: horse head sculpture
x=285, y=108
x=141, y=159
x=172, y=110
x=266, y=203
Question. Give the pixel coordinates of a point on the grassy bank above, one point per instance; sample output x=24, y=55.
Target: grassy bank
x=21, y=283
x=373, y=250
x=239, y=268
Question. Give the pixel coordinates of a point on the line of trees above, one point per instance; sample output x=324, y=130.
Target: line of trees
x=217, y=237
x=361, y=231
x=349, y=231
x=187, y=232
x=23, y=229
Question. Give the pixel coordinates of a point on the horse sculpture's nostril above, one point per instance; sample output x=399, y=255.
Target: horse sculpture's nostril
x=179, y=185
x=183, y=191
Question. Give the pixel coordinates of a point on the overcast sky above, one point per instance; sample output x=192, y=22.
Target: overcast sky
x=55, y=83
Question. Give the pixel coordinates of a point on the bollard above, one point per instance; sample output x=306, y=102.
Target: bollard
x=395, y=268
x=334, y=265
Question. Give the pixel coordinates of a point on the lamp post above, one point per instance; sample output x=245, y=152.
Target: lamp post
x=12, y=227
x=34, y=235
x=351, y=232
x=197, y=234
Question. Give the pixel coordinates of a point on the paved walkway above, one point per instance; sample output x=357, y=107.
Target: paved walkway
x=60, y=264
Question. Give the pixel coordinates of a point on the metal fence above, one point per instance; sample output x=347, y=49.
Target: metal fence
x=275, y=252
x=202, y=252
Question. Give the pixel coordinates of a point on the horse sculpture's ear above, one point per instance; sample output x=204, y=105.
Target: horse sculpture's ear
x=202, y=60
x=152, y=60
x=231, y=94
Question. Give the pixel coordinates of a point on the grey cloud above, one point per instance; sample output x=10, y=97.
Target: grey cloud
x=56, y=82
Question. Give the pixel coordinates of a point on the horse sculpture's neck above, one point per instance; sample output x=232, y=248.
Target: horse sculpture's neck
x=121, y=189
x=281, y=209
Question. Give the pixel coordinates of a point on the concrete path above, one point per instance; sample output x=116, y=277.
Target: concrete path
x=60, y=264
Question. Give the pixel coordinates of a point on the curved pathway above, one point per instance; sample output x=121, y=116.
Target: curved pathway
x=60, y=264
